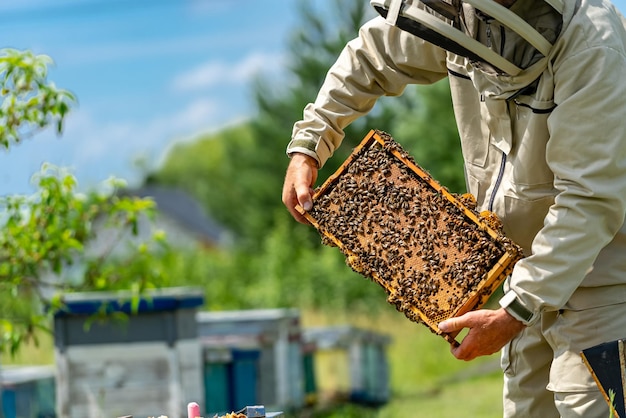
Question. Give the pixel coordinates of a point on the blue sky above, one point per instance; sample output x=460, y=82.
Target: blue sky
x=147, y=73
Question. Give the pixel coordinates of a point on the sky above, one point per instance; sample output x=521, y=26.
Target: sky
x=147, y=73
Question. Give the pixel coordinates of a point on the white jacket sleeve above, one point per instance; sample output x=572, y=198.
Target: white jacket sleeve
x=381, y=61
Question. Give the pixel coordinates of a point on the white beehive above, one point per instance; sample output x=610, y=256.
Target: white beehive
x=147, y=364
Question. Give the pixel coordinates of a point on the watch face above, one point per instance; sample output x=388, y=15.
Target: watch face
x=507, y=299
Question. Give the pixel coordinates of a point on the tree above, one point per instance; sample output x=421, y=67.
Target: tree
x=239, y=177
x=238, y=173
x=421, y=119
x=428, y=131
x=29, y=101
x=44, y=235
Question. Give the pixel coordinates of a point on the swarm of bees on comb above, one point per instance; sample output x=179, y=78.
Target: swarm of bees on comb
x=434, y=255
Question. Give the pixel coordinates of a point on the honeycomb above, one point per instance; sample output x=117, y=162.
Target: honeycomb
x=433, y=254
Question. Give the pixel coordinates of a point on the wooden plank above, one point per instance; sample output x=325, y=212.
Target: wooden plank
x=108, y=379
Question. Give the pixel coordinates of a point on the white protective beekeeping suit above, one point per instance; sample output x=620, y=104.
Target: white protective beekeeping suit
x=539, y=91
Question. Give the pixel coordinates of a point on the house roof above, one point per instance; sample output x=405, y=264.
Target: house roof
x=182, y=208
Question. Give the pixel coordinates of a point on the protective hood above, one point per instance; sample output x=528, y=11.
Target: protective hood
x=450, y=24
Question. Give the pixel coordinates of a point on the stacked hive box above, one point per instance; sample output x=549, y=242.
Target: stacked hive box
x=433, y=254
x=27, y=391
x=252, y=357
x=147, y=364
x=364, y=354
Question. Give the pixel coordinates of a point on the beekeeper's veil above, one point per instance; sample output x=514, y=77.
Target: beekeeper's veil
x=448, y=24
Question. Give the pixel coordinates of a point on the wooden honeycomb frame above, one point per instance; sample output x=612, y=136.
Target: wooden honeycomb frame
x=432, y=253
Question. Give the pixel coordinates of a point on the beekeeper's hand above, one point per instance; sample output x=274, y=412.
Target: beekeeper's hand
x=298, y=187
x=489, y=331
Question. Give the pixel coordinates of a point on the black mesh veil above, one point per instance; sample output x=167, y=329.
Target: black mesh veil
x=443, y=23
x=422, y=31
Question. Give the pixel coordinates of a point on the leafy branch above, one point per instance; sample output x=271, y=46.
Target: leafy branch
x=47, y=239
x=29, y=102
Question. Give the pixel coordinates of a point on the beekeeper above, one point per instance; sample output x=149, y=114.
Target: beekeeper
x=539, y=94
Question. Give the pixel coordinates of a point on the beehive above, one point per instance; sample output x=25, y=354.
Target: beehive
x=432, y=253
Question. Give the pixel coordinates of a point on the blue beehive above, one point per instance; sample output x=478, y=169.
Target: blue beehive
x=27, y=392
x=245, y=377
x=264, y=345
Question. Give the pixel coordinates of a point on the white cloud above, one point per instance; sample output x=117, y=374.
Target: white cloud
x=219, y=72
x=94, y=141
x=95, y=150
x=196, y=115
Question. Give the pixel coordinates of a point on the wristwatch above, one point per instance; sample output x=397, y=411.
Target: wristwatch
x=511, y=303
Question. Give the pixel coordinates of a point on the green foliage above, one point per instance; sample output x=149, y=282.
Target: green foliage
x=45, y=237
x=313, y=48
x=44, y=242
x=29, y=101
x=427, y=130
x=347, y=411
x=237, y=175
x=284, y=269
x=209, y=170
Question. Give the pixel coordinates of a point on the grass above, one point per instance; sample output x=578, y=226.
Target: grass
x=426, y=380
x=478, y=397
x=40, y=352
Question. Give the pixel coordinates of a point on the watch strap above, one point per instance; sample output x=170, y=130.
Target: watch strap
x=511, y=303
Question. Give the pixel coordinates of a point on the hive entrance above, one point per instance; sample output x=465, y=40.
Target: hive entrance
x=434, y=256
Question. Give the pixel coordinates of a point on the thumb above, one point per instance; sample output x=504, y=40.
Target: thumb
x=303, y=172
x=303, y=193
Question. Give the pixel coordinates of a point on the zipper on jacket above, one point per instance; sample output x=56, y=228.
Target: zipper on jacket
x=489, y=33
x=496, y=186
x=534, y=110
x=459, y=75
